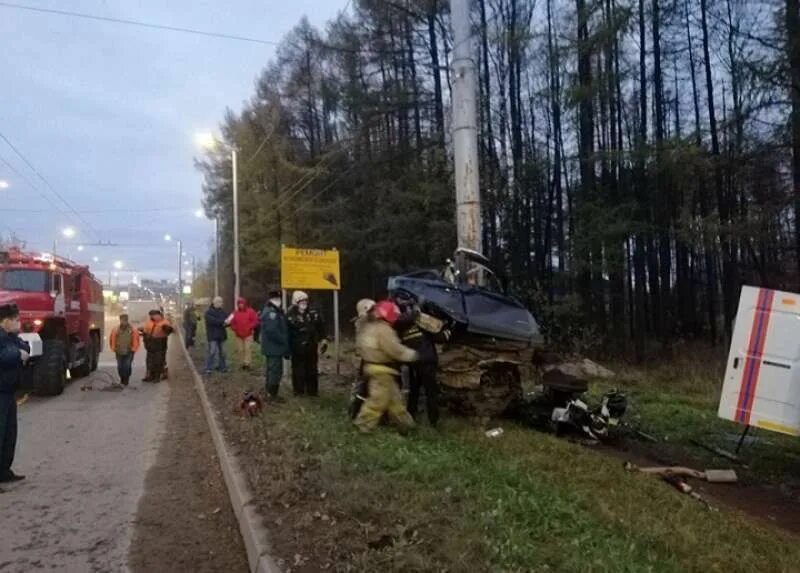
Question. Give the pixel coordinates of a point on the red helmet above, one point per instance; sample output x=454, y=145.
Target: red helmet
x=387, y=310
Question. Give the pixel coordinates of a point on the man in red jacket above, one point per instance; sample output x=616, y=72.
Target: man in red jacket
x=244, y=322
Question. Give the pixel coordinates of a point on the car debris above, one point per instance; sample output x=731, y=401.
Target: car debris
x=494, y=433
x=720, y=452
x=711, y=476
x=560, y=405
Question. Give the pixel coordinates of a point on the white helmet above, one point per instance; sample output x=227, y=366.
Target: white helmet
x=364, y=306
x=298, y=296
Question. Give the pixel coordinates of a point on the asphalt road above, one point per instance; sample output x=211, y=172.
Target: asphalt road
x=85, y=454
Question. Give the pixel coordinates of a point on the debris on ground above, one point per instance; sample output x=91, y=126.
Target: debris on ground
x=683, y=487
x=251, y=404
x=494, y=433
x=560, y=404
x=720, y=452
x=711, y=476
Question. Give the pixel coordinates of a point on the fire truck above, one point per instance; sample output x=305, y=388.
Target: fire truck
x=60, y=303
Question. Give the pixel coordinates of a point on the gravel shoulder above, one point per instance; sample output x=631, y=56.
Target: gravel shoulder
x=184, y=521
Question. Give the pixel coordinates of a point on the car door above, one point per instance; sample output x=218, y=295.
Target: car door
x=499, y=316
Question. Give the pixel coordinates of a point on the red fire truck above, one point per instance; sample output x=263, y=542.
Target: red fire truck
x=61, y=302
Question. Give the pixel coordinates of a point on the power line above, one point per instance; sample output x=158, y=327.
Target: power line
x=47, y=183
x=32, y=186
x=138, y=23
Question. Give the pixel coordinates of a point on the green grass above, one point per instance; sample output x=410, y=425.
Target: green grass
x=678, y=402
x=539, y=503
x=454, y=500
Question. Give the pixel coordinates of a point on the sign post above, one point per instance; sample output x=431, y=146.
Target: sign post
x=313, y=269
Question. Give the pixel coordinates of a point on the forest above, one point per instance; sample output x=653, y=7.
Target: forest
x=639, y=159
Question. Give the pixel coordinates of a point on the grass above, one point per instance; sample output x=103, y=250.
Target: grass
x=533, y=502
x=677, y=402
x=454, y=500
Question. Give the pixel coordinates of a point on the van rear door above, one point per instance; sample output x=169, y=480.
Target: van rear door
x=762, y=377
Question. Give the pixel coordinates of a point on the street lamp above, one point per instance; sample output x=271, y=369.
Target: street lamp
x=208, y=141
x=168, y=238
x=118, y=265
x=69, y=232
x=80, y=247
x=96, y=259
x=199, y=214
x=4, y=184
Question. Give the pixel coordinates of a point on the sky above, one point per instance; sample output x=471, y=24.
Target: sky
x=106, y=113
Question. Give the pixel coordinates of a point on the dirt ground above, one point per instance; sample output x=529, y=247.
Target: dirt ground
x=184, y=520
x=778, y=506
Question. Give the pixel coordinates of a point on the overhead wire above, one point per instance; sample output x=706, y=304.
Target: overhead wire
x=141, y=24
x=47, y=184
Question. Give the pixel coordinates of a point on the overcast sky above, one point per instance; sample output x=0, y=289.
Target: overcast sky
x=107, y=112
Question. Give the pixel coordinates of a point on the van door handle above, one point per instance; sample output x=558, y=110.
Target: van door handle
x=735, y=363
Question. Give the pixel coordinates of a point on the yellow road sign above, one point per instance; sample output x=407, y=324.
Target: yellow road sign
x=311, y=269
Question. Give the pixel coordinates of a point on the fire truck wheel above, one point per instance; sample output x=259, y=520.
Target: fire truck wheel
x=85, y=368
x=95, y=352
x=50, y=372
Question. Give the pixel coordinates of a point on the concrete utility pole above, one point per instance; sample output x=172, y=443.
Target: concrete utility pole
x=216, y=256
x=465, y=129
x=236, y=276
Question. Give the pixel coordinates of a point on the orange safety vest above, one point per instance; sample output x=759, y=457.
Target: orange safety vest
x=156, y=329
x=135, y=339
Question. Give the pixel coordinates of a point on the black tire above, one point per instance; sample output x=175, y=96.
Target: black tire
x=85, y=368
x=94, y=355
x=50, y=370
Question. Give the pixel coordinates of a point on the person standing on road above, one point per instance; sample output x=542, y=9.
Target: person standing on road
x=274, y=342
x=244, y=322
x=380, y=348
x=306, y=334
x=156, y=331
x=189, y=324
x=14, y=352
x=124, y=342
x=216, y=334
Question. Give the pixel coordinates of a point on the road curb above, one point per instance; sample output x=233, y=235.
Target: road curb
x=254, y=534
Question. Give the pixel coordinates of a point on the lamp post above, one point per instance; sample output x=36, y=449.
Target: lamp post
x=180, y=271
x=208, y=141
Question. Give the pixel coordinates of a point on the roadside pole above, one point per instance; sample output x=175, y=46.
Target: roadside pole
x=336, y=326
x=179, y=310
x=465, y=130
x=287, y=364
x=236, y=273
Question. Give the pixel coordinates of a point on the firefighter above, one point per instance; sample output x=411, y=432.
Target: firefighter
x=124, y=342
x=216, y=335
x=422, y=374
x=244, y=323
x=155, y=332
x=306, y=338
x=189, y=324
x=274, y=342
x=360, y=388
x=14, y=352
x=380, y=348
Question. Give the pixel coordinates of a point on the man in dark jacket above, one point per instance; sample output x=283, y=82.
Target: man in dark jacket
x=422, y=374
x=216, y=335
x=14, y=352
x=156, y=333
x=274, y=342
x=306, y=331
x=189, y=324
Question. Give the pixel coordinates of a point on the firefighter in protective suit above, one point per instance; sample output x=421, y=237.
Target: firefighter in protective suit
x=360, y=390
x=381, y=349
